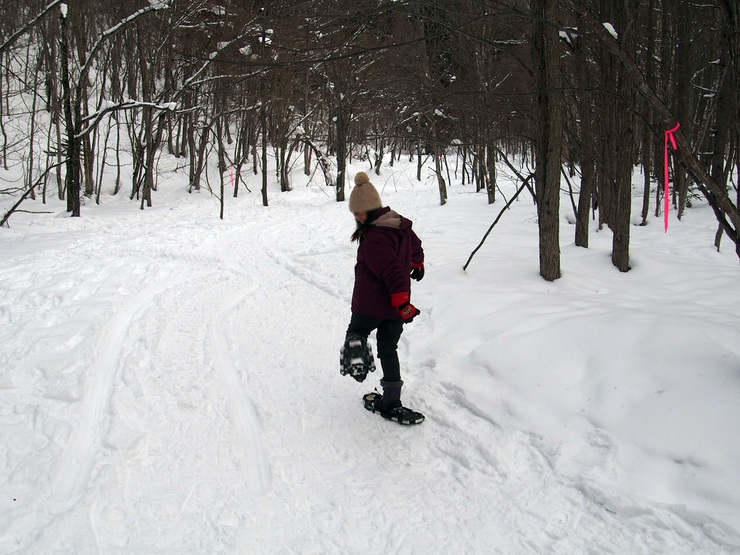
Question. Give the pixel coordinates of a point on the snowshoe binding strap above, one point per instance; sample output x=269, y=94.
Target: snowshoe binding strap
x=398, y=413
x=370, y=399
x=356, y=358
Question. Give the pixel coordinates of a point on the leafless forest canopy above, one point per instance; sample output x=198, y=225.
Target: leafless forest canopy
x=564, y=89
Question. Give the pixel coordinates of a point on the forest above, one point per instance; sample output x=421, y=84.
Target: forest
x=209, y=207
x=571, y=95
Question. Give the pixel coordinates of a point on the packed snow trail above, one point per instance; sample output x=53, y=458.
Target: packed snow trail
x=254, y=465
x=75, y=465
x=171, y=384
x=253, y=461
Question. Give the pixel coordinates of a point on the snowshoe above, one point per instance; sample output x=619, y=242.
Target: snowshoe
x=395, y=412
x=356, y=358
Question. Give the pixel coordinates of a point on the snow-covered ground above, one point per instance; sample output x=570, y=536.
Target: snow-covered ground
x=169, y=383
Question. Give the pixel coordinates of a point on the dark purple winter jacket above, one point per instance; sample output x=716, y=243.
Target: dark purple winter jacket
x=386, y=254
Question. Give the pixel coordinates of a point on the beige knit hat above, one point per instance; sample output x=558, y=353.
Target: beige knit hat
x=364, y=197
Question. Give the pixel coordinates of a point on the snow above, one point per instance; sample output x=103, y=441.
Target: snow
x=169, y=382
x=159, y=4
x=64, y=8
x=568, y=34
x=612, y=31
x=245, y=50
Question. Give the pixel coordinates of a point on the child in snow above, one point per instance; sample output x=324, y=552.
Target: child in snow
x=388, y=257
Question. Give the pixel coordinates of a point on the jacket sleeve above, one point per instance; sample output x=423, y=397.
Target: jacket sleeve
x=417, y=253
x=379, y=253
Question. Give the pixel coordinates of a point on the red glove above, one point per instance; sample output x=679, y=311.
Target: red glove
x=402, y=302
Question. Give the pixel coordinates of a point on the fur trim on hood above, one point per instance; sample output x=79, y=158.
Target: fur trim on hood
x=390, y=219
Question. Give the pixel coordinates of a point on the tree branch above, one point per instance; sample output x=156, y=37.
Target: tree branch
x=500, y=215
x=27, y=27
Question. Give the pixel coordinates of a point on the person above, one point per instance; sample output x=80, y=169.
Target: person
x=389, y=255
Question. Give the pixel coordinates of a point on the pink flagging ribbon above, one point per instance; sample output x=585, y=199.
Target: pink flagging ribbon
x=231, y=173
x=670, y=138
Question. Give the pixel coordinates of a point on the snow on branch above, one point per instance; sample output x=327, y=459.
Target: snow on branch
x=220, y=47
x=213, y=78
x=94, y=119
x=612, y=31
x=154, y=5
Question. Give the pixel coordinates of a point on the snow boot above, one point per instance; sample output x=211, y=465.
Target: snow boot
x=389, y=405
x=356, y=358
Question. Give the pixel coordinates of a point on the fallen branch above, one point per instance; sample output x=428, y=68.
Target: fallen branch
x=524, y=180
x=25, y=195
x=323, y=161
x=525, y=184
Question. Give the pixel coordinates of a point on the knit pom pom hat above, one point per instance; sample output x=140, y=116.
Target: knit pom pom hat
x=365, y=196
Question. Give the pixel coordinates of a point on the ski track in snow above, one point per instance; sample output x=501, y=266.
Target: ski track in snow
x=254, y=464
x=75, y=466
x=206, y=412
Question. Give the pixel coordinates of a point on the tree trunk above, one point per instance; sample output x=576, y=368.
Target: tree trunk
x=441, y=184
x=647, y=137
x=418, y=161
x=73, y=144
x=263, y=117
x=723, y=118
x=548, y=118
x=341, y=148
x=583, y=216
x=491, y=181
x=621, y=217
x=379, y=153
x=307, y=160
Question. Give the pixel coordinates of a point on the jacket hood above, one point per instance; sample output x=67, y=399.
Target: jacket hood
x=391, y=219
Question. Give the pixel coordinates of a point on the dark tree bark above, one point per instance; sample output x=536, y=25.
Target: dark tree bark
x=491, y=181
x=647, y=137
x=549, y=126
x=263, y=117
x=341, y=149
x=620, y=221
x=73, y=145
x=585, y=195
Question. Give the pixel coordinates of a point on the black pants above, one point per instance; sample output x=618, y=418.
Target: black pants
x=389, y=332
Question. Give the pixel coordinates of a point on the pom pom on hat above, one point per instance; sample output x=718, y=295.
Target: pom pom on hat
x=364, y=197
x=361, y=178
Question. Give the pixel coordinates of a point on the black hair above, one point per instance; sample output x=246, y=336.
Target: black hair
x=362, y=229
